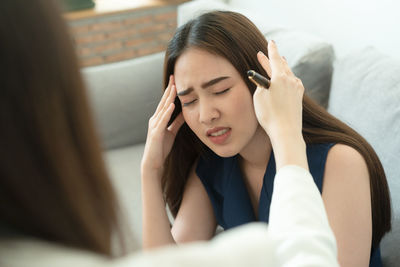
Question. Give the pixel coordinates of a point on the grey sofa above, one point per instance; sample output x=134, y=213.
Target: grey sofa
x=365, y=94
x=124, y=95
x=362, y=89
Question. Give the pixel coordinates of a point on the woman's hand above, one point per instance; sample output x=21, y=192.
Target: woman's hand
x=160, y=138
x=279, y=109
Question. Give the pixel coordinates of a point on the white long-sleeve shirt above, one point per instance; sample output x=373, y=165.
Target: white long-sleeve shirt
x=298, y=234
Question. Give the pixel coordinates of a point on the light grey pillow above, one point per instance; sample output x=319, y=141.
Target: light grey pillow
x=124, y=96
x=310, y=58
x=365, y=94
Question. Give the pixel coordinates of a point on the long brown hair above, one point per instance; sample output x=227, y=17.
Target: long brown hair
x=237, y=39
x=53, y=181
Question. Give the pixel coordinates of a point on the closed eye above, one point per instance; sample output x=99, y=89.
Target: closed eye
x=217, y=93
x=224, y=91
x=188, y=103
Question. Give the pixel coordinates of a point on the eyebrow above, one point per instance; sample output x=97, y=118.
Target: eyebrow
x=204, y=85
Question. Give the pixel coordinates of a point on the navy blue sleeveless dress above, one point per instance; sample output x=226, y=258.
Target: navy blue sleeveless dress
x=223, y=181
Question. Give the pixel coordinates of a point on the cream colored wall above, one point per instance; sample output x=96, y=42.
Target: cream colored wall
x=348, y=24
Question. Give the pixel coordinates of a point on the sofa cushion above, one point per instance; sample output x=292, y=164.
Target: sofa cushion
x=366, y=95
x=124, y=169
x=124, y=96
x=310, y=58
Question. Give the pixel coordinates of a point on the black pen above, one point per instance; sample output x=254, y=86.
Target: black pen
x=258, y=79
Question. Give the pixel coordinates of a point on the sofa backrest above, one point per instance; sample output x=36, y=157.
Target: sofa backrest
x=365, y=94
x=124, y=96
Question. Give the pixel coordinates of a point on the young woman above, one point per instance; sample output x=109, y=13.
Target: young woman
x=224, y=156
x=57, y=205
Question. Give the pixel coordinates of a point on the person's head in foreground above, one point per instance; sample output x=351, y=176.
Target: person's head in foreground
x=53, y=182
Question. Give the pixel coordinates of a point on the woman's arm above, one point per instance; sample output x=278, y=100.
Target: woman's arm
x=195, y=219
x=156, y=226
x=346, y=194
x=160, y=138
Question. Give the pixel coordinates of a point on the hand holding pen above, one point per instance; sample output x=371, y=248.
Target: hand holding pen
x=279, y=109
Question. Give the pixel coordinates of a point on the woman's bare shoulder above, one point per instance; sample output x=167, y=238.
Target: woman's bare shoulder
x=347, y=161
x=346, y=195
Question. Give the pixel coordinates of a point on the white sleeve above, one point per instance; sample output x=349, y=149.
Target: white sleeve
x=298, y=234
x=247, y=245
x=298, y=222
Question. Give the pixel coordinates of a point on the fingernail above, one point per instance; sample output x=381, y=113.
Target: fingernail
x=261, y=53
x=284, y=58
x=273, y=42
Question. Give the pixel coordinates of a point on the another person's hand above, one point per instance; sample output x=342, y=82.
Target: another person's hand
x=279, y=109
x=160, y=138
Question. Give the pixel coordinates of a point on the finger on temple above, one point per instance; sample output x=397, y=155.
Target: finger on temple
x=264, y=61
x=164, y=97
x=172, y=92
x=167, y=103
x=172, y=80
x=176, y=124
x=165, y=117
x=172, y=95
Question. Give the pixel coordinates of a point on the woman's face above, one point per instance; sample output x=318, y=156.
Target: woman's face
x=216, y=103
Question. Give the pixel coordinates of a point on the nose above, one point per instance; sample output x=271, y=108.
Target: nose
x=208, y=112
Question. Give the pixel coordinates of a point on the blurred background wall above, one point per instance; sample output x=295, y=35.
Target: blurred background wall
x=347, y=24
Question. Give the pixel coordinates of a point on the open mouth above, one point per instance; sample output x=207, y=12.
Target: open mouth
x=220, y=132
x=219, y=135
